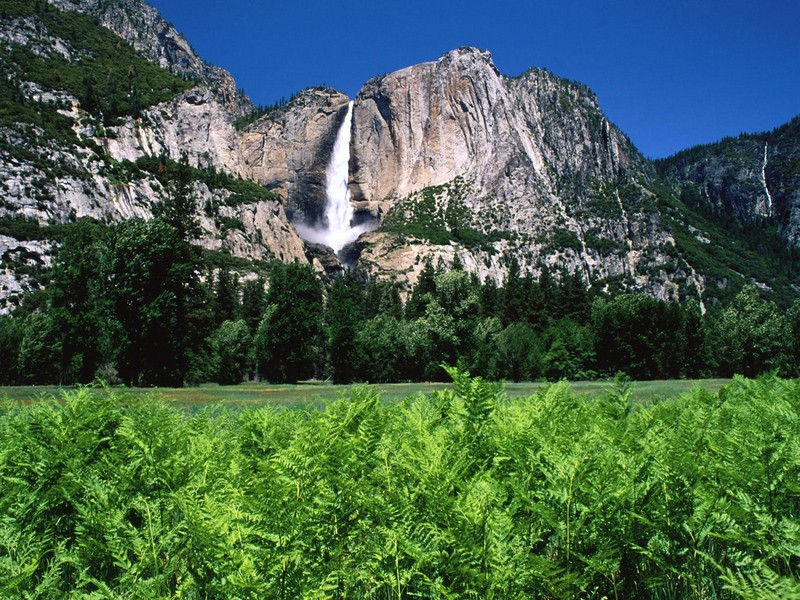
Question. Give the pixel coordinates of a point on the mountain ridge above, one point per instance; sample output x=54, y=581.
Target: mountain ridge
x=452, y=158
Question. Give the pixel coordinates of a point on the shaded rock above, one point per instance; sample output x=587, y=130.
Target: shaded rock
x=289, y=149
x=326, y=257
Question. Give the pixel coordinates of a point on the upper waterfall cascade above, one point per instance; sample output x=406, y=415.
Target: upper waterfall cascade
x=337, y=230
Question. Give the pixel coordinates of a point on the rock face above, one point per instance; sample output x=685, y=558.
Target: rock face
x=492, y=166
x=288, y=150
x=146, y=30
x=194, y=124
x=748, y=178
x=426, y=124
x=452, y=158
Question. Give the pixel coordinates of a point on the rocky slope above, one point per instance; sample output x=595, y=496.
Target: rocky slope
x=749, y=178
x=148, y=32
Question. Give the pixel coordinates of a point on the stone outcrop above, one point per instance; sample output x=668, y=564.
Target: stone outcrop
x=288, y=150
x=194, y=124
x=54, y=180
x=147, y=31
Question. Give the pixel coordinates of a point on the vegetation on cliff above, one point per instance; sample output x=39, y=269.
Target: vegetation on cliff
x=86, y=61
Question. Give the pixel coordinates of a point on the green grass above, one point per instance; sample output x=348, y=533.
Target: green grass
x=318, y=394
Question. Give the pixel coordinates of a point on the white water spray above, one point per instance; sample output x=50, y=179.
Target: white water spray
x=337, y=231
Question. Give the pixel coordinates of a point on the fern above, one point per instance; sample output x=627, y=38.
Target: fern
x=460, y=494
x=763, y=584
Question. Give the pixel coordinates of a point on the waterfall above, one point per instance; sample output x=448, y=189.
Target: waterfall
x=337, y=230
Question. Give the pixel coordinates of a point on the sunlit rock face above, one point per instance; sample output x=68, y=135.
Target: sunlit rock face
x=424, y=125
x=289, y=151
x=528, y=166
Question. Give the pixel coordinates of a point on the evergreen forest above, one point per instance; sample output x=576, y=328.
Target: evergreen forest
x=138, y=303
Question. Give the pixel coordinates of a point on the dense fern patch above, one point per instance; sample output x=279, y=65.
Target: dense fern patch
x=459, y=494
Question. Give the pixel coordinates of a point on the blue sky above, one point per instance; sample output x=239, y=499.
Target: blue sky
x=669, y=73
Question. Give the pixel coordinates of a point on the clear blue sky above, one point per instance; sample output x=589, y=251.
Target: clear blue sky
x=669, y=73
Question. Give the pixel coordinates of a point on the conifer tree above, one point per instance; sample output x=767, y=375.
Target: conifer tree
x=423, y=291
x=290, y=338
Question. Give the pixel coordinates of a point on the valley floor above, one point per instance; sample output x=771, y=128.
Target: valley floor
x=318, y=394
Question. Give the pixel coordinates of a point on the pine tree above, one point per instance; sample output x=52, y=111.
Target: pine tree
x=226, y=296
x=423, y=291
x=512, y=295
x=291, y=334
x=344, y=316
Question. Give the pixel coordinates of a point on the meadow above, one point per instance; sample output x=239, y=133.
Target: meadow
x=319, y=394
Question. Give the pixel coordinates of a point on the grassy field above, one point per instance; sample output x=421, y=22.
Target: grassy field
x=310, y=394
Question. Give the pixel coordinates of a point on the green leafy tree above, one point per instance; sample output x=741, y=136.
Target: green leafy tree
x=253, y=302
x=226, y=296
x=512, y=295
x=697, y=358
x=10, y=341
x=390, y=302
x=575, y=298
x=459, y=299
x=292, y=334
x=152, y=291
x=88, y=99
x=436, y=341
x=639, y=335
x=519, y=353
x=75, y=303
x=752, y=336
x=39, y=350
x=571, y=351
x=490, y=298
x=178, y=209
x=485, y=353
x=381, y=352
x=230, y=350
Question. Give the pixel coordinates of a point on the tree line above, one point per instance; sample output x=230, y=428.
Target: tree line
x=138, y=303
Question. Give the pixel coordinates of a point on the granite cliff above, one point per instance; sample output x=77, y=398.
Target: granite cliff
x=488, y=166
x=288, y=150
x=750, y=178
x=451, y=158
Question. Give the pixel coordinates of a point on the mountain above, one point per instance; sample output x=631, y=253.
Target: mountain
x=91, y=127
x=106, y=110
x=748, y=179
x=490, y=166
